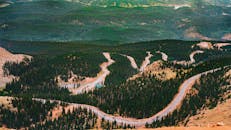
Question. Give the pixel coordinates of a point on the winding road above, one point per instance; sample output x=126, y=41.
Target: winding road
x=90, y=84
x=220, y=45
x=192, y=60
x=191, y=56
x=174, y=104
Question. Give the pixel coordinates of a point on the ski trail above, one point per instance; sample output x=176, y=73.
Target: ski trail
x=146, y=61
x=132, y=61
x=164, y=55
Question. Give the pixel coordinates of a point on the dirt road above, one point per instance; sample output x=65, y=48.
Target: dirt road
x=98, y=80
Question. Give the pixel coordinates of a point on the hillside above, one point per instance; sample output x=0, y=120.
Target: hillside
x=149, y=3
x=5, y=57
x=195, y=128
x=220, y=114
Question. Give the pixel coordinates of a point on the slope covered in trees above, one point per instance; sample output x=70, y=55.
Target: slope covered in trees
x=27, y=112
x=203, y=95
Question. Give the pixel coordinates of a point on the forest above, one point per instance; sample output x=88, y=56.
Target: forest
x=78, y=119
x=27, y=112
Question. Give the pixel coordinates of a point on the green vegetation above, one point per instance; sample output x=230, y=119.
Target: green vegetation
x=113, y=125
x=77, y=119
x=59, y=20
x=27, y=112
x=121, y=70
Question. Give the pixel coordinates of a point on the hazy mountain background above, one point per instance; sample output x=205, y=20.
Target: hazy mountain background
x=114, y=20
x=140, y=3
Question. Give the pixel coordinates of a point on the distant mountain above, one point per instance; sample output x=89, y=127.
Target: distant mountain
x=148, y=3
x=90, y=20
x=139, y=3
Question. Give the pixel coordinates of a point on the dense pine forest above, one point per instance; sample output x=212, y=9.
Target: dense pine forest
x=26, y=113
x=78, y=119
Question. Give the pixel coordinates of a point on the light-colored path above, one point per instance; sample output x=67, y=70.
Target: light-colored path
x=174, y=104
x=146, y=61
x=220, y=45
x=192, y=60
x=191, y=56
x=90, y=84
x=164, y=55
x=132, y=61
x=144, y=64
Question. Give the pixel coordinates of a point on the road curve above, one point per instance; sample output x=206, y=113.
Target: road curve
x=220, y=45
x=174, y=104
x=100, y=79
x=191, y=56
x=91, y=85
x=192, y=60
x=132, y=61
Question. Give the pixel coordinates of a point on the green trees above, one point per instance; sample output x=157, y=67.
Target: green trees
x=77, y=119
x=27, y=113
x=121, y=70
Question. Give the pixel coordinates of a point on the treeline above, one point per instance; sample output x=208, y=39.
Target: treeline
x=114, y=125
x=78, y=119
x=26, y=112
x=205, y=94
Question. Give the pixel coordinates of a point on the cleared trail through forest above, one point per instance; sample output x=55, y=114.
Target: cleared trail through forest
x=146, y=61
x=132, y=61
x=164, y=55
x=144, y=64
x=174, y=104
